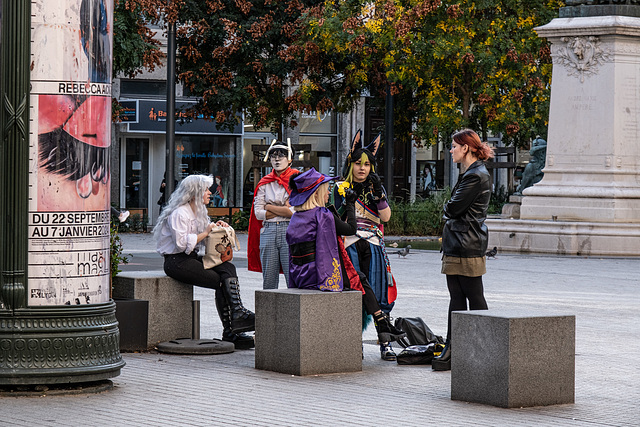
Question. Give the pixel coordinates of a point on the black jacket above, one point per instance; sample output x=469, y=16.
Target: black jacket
x=465, y=235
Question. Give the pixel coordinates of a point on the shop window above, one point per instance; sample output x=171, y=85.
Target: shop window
x=317, y=123
x=143, y=88
x=137, y=173
x=210, y=155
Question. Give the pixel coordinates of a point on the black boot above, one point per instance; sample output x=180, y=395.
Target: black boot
x=241, y=341
x=386, y=331
x=242, y=320
x=442, y=362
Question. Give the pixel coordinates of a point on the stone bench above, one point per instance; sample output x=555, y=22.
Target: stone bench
x=511, y=358
x=308, y=332
x=170, y=303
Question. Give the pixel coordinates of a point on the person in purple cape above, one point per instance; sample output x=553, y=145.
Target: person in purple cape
x=317, y=257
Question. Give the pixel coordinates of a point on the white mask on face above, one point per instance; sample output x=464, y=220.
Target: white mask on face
x=279, y=163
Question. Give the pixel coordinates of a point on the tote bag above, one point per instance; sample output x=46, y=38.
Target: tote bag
x=219, y=246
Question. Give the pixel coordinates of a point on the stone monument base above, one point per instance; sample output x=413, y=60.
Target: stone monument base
x=564, y=237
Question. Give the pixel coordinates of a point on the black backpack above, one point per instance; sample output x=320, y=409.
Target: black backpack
x=418, y=333
x=421, y=345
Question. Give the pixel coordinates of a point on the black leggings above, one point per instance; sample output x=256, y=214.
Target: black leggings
x=369, y=301
x=461, y=289
x=190, y=270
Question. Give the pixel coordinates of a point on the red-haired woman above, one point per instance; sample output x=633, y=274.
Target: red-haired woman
x=465, y=235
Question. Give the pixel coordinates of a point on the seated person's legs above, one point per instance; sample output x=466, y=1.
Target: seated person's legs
x=189, y=269
x=241, y=319
x=386, y=330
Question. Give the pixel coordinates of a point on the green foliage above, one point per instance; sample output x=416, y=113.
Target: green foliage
x=117, y=255
x=238, y=56
x=240, y=220
x=134, y=47
x=487, y=69
x=454, y=64
x=422, y=218
x=136, y=223
x=498, y=200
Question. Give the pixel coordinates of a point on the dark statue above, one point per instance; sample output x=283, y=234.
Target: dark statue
x=533, y=171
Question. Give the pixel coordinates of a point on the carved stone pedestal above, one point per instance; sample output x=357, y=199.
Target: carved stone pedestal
x=592, y=172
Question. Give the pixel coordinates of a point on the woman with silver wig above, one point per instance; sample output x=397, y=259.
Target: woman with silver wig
x=180, y=233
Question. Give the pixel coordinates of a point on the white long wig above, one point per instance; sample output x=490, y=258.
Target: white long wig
x=190, y=188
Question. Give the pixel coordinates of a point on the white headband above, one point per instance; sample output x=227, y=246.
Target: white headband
x=279, y=145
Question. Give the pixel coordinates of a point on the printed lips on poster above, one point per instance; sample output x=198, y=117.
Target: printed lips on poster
x=69, y=203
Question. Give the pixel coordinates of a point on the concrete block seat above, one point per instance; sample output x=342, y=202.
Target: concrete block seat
x=308, y=332
x=170, y=303
x=512, y=358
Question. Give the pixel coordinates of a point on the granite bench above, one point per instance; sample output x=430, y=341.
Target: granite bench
x=308, y=332
x=512, y=358
x=170, y=303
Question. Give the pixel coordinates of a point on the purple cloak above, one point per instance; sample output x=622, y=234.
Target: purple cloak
x=325, y=273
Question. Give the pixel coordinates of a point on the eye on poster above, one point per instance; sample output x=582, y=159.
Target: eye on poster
x=69, y=171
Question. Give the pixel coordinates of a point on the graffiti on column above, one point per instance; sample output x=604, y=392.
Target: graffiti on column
x=69, y=173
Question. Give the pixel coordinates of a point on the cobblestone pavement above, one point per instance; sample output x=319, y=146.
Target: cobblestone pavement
x=170, y=390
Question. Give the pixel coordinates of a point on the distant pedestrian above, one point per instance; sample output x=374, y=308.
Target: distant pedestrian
x=465, y=235
x=180, y=232
x=267, y=247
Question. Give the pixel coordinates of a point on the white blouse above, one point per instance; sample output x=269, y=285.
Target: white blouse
x=179, y=233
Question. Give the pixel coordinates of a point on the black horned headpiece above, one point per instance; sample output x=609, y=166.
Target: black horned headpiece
x=358, y=148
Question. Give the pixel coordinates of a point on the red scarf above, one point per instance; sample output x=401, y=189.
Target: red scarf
x=253, y=242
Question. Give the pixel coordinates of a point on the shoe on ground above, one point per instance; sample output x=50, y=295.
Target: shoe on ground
x=441, y=365
x=387, y=353
x=442, y=362
x=123, y=216
x=241, y=341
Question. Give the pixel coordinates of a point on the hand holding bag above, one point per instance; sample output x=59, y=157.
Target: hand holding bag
x=219, y=246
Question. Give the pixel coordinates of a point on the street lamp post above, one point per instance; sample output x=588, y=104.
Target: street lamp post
x=171, y=110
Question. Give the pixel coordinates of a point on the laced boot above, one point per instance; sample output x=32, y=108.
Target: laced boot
x=241, y=341
x=242, y=320
x=442, y=362
x=386, y=330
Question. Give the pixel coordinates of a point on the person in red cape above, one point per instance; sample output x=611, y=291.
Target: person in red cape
x=267, y=248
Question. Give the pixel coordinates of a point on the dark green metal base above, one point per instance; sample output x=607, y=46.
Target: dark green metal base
x=58, y=345
x=39, y=390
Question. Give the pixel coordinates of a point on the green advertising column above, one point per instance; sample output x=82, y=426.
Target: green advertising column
x=57, y=323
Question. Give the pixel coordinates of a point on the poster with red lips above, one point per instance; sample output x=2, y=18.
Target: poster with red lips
x=69, y=174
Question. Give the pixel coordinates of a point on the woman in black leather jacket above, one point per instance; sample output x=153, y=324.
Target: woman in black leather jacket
x=465, y=235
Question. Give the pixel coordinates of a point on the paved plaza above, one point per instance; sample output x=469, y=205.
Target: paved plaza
x=157, y=389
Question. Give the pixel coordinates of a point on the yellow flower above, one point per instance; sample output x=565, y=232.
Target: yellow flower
x=342, y=187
